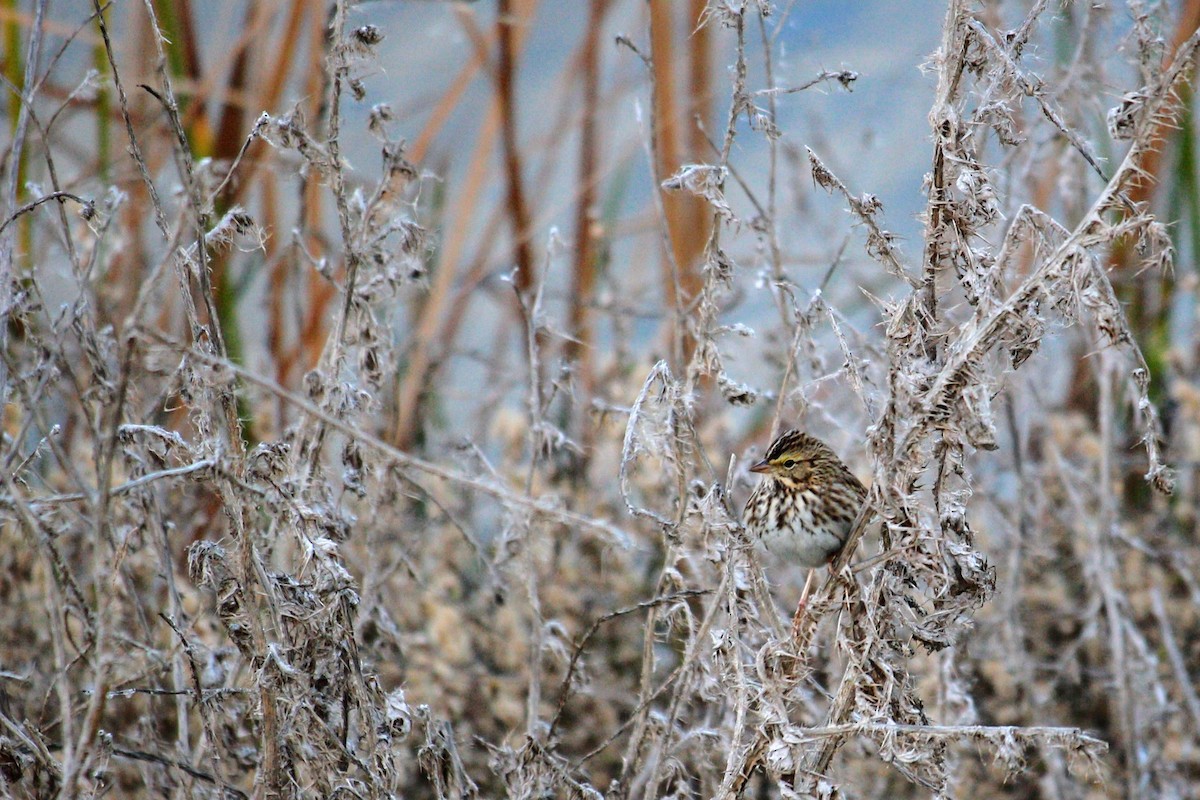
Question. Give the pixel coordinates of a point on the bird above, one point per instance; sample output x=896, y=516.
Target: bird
x=805, y=505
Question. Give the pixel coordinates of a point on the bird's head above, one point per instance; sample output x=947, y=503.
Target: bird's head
x=794, y=457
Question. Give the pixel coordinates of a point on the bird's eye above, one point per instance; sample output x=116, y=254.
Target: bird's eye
x=789, y=463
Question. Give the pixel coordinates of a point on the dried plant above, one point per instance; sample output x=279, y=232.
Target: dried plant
x=459, y=514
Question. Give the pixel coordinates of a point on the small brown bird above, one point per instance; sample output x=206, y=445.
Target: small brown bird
x=805, y=505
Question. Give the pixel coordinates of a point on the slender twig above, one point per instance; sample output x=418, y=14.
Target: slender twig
x=402, y=459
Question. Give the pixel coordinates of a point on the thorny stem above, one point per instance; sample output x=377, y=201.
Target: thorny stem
x=30, y=206
x=101, y=543
x=530, y=315
x=581, y=644
x=198, y=691
x=269, y=780
x=944, y=121
x=1103, y=568
x=337, y=69
x=688, y=663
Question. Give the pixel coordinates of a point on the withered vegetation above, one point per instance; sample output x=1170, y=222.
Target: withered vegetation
x=324, y=480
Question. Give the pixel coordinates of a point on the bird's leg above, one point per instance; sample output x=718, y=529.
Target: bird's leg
x=808, y=582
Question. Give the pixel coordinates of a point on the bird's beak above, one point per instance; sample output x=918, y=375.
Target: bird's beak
x=762, y=467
